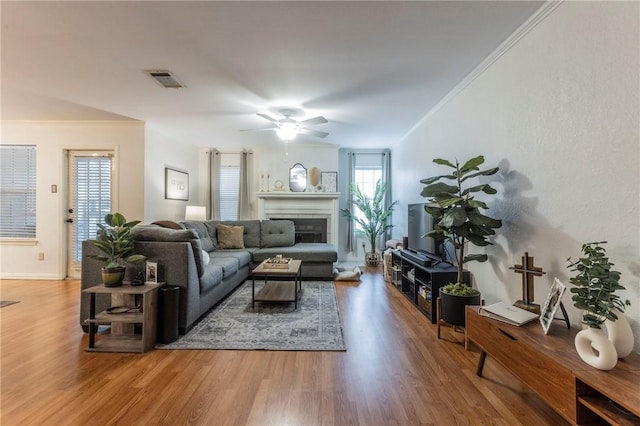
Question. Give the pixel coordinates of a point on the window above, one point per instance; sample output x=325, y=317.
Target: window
x=366, y=178
x=18, y=191
x=229, y=186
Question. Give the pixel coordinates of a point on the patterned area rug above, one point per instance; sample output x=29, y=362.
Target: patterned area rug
x=234, y=324
x=4, y=303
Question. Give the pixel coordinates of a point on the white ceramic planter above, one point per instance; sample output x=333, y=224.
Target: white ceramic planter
x=593, y=338
x=620, y=334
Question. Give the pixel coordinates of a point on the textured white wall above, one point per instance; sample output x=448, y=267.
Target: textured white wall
x=559, y=113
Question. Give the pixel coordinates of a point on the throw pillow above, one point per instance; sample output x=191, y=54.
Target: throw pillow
x=205, y=258
x=230, y=237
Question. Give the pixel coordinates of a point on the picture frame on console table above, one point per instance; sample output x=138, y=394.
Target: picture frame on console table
x=176, y=184
x=151, y=273
x=329, y=181
x=551, y=304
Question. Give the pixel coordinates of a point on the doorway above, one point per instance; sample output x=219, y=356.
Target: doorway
x=90, y=199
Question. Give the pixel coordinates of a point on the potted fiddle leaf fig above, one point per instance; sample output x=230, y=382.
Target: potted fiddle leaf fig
x=458, y=220
x=375, y=217
x=115, y=242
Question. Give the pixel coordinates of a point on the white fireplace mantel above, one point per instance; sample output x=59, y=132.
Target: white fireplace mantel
x=301, y=205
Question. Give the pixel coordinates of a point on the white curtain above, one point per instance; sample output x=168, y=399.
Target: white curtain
x=213, y=192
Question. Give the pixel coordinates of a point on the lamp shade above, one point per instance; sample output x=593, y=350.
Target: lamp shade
x=196, y=213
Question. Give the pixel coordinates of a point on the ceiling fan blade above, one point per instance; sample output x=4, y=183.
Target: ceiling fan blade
x=267, y=117
x=315, y=133
x=259, y=130
x=315, y=120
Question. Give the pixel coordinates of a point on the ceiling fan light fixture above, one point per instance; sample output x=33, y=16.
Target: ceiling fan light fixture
x=288, y=131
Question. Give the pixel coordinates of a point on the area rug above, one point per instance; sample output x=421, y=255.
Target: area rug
x=4, y=303
x=234, y=324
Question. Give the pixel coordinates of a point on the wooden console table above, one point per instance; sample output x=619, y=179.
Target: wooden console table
x=550, y=366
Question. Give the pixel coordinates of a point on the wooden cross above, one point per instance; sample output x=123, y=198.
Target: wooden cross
x=528, y=272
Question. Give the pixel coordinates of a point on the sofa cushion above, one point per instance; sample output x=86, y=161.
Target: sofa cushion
x=251, y=231
x=277, y=233
x=212, y=229
x=230, y=237
x=307, y=252
x=158, y=233
x=243, y=256
x=211, y=277
x=229, y=265
x=200, y=228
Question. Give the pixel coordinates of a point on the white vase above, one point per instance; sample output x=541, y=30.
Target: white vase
x=593, y=338
x=620, y=334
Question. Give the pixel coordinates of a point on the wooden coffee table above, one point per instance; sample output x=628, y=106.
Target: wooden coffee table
x=277, y=291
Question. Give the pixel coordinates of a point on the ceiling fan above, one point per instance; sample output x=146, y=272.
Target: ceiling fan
x=288, y=128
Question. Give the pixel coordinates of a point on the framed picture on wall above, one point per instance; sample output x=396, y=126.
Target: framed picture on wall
x=329, y=181
x=176, y=184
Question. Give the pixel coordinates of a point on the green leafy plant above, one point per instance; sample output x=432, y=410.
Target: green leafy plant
x=595, y=285
x=375, y=220
x=115, y=242
x=456, y=212
x=458, y=289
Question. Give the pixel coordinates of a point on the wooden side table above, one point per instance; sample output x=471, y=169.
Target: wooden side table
x=130, y=305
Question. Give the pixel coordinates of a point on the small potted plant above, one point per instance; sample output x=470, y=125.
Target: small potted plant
x=458, y=220
x=594, y=292
x=375, y=217
x=116, y=243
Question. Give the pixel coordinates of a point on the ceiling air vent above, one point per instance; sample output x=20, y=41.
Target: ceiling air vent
x=165, y=79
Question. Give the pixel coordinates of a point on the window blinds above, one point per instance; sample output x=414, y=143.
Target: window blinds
x=17, y=191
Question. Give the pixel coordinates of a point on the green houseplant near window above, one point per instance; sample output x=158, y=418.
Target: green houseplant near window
x=376, y=217
x=116, y=244
x=458, y=220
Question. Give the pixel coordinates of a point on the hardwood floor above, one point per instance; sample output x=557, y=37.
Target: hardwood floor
x=394, y=372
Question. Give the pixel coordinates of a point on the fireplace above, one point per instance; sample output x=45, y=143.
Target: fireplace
x=309, y=230
x=314, y=210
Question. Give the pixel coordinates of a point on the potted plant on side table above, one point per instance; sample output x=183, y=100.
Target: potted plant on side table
x=116, y=243
x=375, y=217
x=458, y=220
x=594, y=292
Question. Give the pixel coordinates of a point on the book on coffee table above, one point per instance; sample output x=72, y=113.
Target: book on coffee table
x=274, y=263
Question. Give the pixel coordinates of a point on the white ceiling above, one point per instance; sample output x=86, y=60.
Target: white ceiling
x=373, y=69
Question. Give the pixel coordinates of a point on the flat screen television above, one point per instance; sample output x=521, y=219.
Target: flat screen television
x=419, y=222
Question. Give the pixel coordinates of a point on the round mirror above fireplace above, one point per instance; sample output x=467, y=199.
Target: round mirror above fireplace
x=298, y=178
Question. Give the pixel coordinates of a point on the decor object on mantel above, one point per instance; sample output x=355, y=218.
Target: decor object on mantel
x=375, y=217
x=457, y=220
x=298, y=178
x=594, y=291
x=314, y=326
x=115, y=241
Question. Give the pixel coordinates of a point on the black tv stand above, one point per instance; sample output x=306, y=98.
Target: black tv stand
x=421, y=283
x=421, y=257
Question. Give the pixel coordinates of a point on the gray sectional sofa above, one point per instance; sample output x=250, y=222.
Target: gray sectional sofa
x=193, y=259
